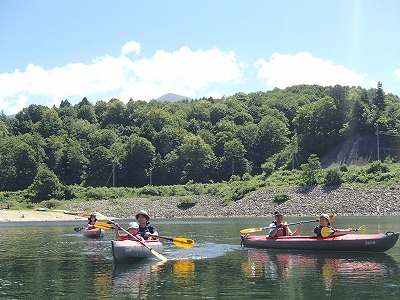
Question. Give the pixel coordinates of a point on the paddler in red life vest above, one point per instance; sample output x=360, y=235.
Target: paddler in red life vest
x=278, y=228
x=133, y=229
x=91, y=221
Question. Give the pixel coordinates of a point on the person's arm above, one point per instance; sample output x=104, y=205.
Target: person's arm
x=117, y=235
x=273, y=230
x=140, y=238
x=316, y=230
x=339, y=230
x=297, y=231
x=152, y=233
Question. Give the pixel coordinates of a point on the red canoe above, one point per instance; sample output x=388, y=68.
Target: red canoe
x=93, y=233
x=377, y=242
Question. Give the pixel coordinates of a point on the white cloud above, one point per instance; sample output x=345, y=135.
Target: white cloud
x=182, y=72
x=397, y=73
x=130, y=47
x=283, y=70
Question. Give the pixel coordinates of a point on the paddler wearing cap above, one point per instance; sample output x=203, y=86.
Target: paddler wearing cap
x=146, y=230
x=278, y=228
x=324, y=222
x=133, y=229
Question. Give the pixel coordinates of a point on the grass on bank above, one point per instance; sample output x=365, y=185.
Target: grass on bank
x=373, y=175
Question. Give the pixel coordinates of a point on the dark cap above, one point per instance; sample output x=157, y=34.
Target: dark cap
x=278, y=213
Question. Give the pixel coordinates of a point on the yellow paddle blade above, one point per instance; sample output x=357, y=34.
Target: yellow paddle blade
x=103, y=224
x=183, y=242
x=250, y=230
x=106, y=226
x=331, y=218
x=361, y=230
x=326, y=231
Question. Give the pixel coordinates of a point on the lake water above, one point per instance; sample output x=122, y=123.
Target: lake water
x=49, y=260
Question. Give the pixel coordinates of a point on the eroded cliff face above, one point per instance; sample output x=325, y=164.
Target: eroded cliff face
x=362, y=149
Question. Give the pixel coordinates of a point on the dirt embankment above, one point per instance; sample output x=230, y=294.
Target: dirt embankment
x=302, y=202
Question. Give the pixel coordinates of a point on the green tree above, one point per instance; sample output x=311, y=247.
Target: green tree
x=333, y=176
x=87, y=112
x=114, y=114
x=45, y=185
x=82, y=130
x=3, y=129
x=311, y=170
x=233, y=160
x=197, y=160
x=379, y=99
x=272, y=138
x=103, y=137
x=317, y=127
x=54, y=152
x=27, y=117
x=158, y=118
x=74, y=163
x=167, y=170
x=50, y=124
x=137, y=162
x=168, y=139
x=100, y=166
x=18, y=164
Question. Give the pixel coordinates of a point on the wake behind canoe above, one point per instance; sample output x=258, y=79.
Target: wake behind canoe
x=377, y=242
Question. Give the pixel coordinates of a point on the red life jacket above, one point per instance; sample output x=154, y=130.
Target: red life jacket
x=282, y=232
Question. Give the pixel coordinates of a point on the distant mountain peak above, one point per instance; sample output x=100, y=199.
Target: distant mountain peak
x=172, y=97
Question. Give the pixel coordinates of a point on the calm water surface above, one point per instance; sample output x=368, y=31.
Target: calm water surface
x=49, y=260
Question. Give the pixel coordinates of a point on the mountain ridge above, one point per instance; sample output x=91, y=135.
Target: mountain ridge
x=171, y=97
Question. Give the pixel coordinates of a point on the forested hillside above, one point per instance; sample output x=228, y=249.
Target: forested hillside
x=203, y=140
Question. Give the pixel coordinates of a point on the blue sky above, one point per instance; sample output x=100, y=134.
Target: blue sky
x=55, y=50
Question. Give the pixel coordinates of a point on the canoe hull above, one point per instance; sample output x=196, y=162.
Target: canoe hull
x=94, y=233
x=129, y=250
x=378, y=242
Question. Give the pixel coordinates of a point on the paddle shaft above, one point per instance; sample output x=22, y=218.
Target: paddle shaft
x=77, y=229
x=270, y=227
x=163, y=237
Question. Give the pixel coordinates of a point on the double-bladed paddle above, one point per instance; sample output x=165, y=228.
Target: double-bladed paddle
x=326, y=231
x=250, y=230
x=100, y=225
x=154, y=252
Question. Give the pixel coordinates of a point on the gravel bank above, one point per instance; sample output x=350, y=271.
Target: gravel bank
x=302, y=202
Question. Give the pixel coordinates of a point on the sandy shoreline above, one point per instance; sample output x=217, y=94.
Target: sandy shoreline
x=7, y=215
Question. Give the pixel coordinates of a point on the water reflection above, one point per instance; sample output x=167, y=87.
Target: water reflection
x=328, y=266
x=134, y=279
x=102, y=284
x=183, y=271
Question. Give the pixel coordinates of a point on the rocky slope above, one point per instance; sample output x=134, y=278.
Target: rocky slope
x=302, y=202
